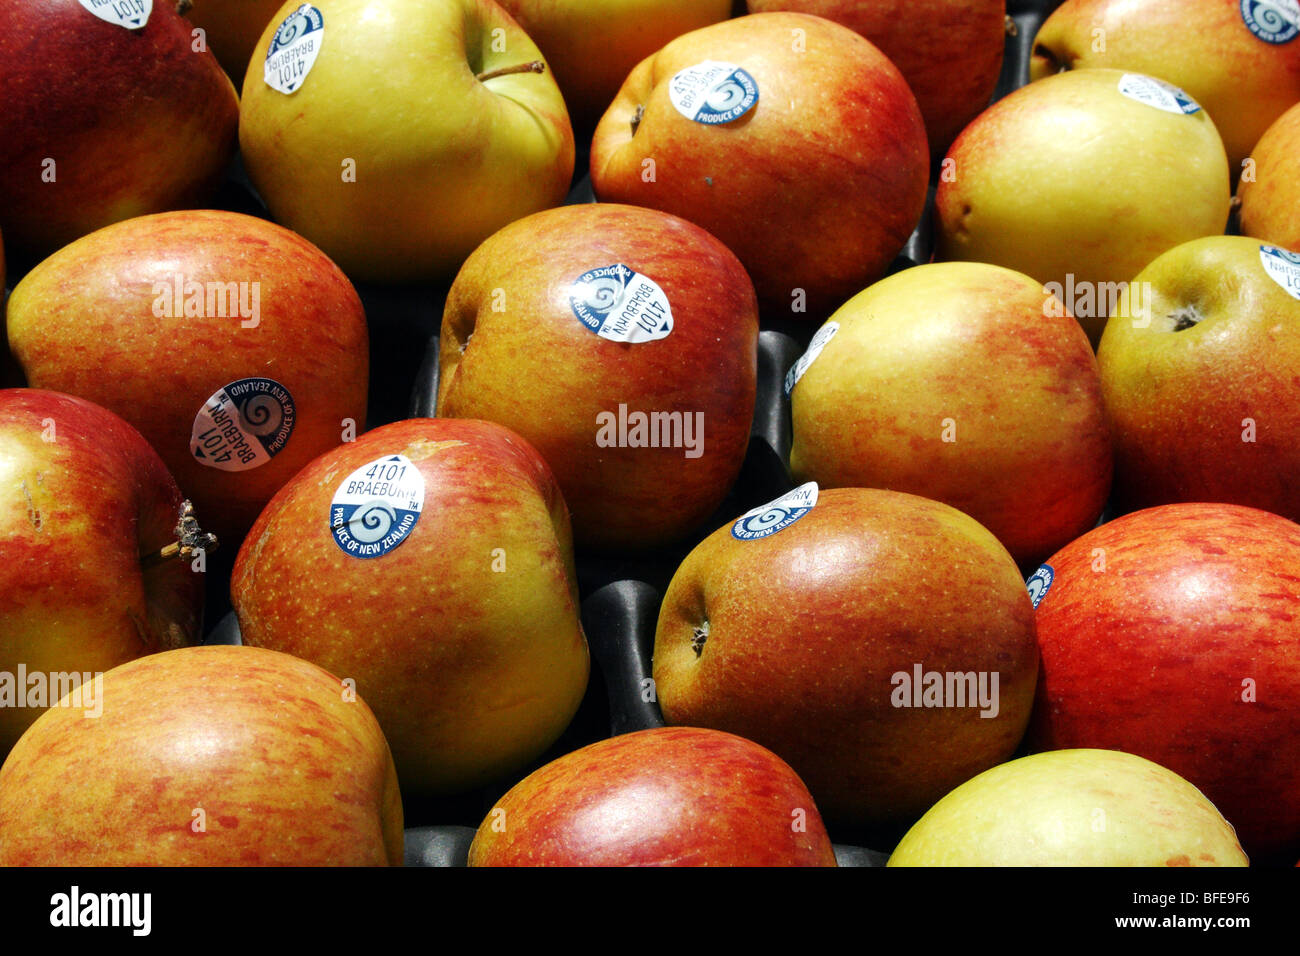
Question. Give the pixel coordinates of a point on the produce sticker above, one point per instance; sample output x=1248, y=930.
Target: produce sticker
x=294, y=48
x=1038, y=584
x=1283, y=267
x=243, y=425
x=768, y=519
x=1157, y=93
x=131, y=14
x=819, y=342
x=1273, y=21
x=375, y=508
x=713, y=92
x=620, y=304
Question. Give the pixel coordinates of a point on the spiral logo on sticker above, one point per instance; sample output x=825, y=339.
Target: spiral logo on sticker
x=372, y=521
x=727, y=96
x=1273, y=21
x=261, y=415
x=1039, y=583
x=756, y=524
x=603, y=294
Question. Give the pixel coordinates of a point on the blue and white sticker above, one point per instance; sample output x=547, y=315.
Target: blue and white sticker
x=1273, y=21
x=131, y=14
x=713, y=92
x=375, y=508
x=294, y=48
x=621, y=304
x=1157, y=93
x=770, y=518
x=819, y=342
x=243, y=425
x=1038, y=584
x=1283, y=267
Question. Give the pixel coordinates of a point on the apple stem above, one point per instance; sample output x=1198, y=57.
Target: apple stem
x=1010, y=27
x=189, y=539
x=537, y=66
x=700, y=635
x=637, y=117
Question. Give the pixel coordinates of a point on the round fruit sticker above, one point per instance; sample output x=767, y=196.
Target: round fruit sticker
x=132, y=14
x=1283, y=267
x=294, y=48
x=1039, y=582
x=1157, y=93
x=621, y=304
x=375, y=507
x=713, y=93
x=243, y=425
x=819, y=342
x=770, y=518
x=1273, y=21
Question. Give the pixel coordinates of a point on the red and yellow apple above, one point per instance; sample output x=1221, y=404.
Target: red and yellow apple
x=1270, y=193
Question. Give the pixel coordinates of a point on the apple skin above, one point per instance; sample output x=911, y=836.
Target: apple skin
x=83, y=322
x=949, y=51
x=592, y=45
x=135, y=120
x=232, y=29
x=287, y=769
x=617, y=494
x=671, y=796
x=1180, y=402
x=1270, y=199
x=971, y=343
x=804, y=629
x=472, y=671
x=77, y=514
x=442, y=160
x=1151, y=656
x=1072, y=808
x=1070, y=176
x=790, y=186
x=1202, y=46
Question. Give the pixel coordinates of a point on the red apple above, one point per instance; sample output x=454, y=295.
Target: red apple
x=205, y=756
x=84, y=500
x=617, y=318
x=818, y=626
x=1174, y=634
x=676, y=796
x=1270, y=192
x=791, y=138
x=235, y=346
x=103, y=119
x=429, y=561
x=949, y=51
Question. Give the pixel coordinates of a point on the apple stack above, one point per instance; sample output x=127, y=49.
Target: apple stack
x=898, y=404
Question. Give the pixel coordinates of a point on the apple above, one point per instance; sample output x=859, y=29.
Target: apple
x=966, y=383
x=1172, y=633
x=399, y=134
x=236, y=347
x=949, y=51
x=1201, y=387
x=1079, y=180
x=671, y=796
x=1072, y=808
x=637, y=333
x=430, y=563
x=592, y=45
x=789, y=137
x=204, y=756
x=231, y=28
x=1240, y=59
x=1270, y=194
x=104, y=119
x=85, y=502
x=880, y=643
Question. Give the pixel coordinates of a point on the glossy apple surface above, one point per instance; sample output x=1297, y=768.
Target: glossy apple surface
x=1270, y=195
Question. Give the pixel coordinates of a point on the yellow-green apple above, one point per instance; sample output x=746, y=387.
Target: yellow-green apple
x=1201, y=386
x=236, y=347
x=205, y=756
x=1073, y=808
x=108, y=113
x=963, y=382
x=637, y=333
x=399, y=134
x=791, y=138
x=880, y=643
x=84, y=502
x=949, y=51
x=671, y=796
x=1174, y=633
x=231, y=29
x=429, y=562
x=1081, y=179
x=1270, y=192
x=592, y=45
x=1240, y=59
